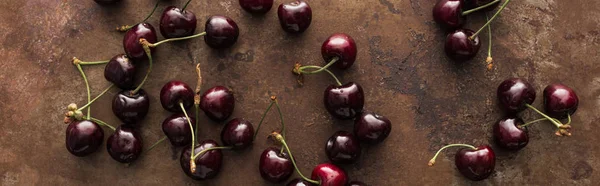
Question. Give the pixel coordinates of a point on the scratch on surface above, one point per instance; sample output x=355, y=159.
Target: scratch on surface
x=390, y=6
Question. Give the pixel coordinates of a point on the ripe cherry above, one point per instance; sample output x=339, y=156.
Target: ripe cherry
x=343, y=147
x=208, y=164
x=372, y=128
x=131, y=41
x=459, y=45
x=475, y=163
x=131, y=108
x=83, y=137
x=329, y=175
x=448, y=13
x=274, y=166
x=344, y=102
x=514, y=94
x=342, y=47
x=238, y=133
x=175, y=92
x=471, y=4
x=256, y=6
x=295, y=17
x=217, y=103
x=221, y=32
x=125, y=144
x=175, y=22
x=177, y=129
x=560, y=101
x=120, y=71
x=510, y=134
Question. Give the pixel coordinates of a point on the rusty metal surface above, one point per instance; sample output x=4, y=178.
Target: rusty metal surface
x=400, y=64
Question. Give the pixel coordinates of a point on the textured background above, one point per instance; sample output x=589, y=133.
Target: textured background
x=401, y=66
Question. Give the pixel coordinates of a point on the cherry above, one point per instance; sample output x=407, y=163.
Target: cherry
x=175, y=22
x=356, y=183
x=131, y=108
x=294, y=17
x=514, y=94
x=459, y=45
x=509, y=133
x=237, y=133
x=105, y=2
x=345, y=101
x=372, y=128
x=475, y=163
x=120, y=71
x=274, y=166
x=208, y=164
x=217, y=103
x=175, y=92
x=448, y=13
x=256, y=6
x=221, y=32
x=329, y=175
x=471, y=4
x=131, y=41
x=560, y=101
x=125, y=144
x=299, y=182
x=342, y=47
x=83, y=137
x=343, y=147
x=177, y=129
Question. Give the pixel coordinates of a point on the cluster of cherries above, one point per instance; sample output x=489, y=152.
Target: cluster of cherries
x=510, y=132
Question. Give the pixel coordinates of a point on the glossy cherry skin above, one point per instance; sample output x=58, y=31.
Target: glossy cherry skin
x=131, y=41
x=131, y=109
x=274, y=166
x=343, y=147
x=175, y=92
x=208, y=165
x=514, y=93
x=120, y=71
x=329, y=175
x=341, y=46
x=221, y=32
x=299, y=182
x=560, y=101
x=177, y=23
x=83, y=137
x=448, y=13
x=237, y=133
x=470, y=4
x=125, y=144
x=294, y=17
x=372, y=128
x=509, y=135
x=344, y=102
x=177, y=129
x=459, y=47
x=476, y=164
x=256, y=6
x=217, y=103
x=105, y=2
x=356, y=183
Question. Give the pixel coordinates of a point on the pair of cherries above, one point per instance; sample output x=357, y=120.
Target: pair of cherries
x=294, y=17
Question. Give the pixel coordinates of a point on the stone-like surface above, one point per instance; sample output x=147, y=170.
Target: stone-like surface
x=401, y=66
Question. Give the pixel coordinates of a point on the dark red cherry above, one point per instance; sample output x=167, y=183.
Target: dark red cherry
x=217, y=103
x=177, y=23
x=459, y=47
x=329, y=175
x=509, y=135
x=299, y=182
x=356, y=183
x=208, y=165
x=372, y=128
x=344, y=102
x=560, y=101
x=131, y=41
x=221, y=32
x=83, y=137
x=175, y=92
x=294, y=17
x=343, y=147
x=514, y=93
x=448, y=13
x=470, y=4
x=274, y=166
x=131, y=109
x=125, y=144
x=256, y=6
x=120, y=71
x=237, y=133
x=341, y=46
x=177, y=129
x=476, y=164
x=106, y=2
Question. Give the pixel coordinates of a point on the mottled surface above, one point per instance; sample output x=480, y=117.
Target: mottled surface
x=401, y=66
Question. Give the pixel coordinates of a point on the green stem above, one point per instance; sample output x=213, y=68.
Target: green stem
x=149, y=54
x=155, y=144
x=552, y=120
x=197, y=108
x=330, y=73
x=335, y=59
x=102, y=123
x=94, y=62
x=432, y=161
x=191, y=128
x=177, y=39
x=492, y=19
x=294, y=163
x=209, y=149
x=479, y=8
x=489, y=37
x=153, y=10
x=262, y=119
x=569, y=121
x=87, y=87
x=532, y=122
x=280, y=118
x=96, y=98
x=185, y=6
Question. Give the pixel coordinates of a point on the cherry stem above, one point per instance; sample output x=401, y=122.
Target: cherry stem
x=102, y=123
x=280, y=139
x=552, y=120
x=155, y=144
x=96, y=98
x=127, y=27
x=479, y=8
x=490, y=21
x=280, y=116
x=176, y=39
x=263, y=118
x=149, y=54
x=197, y=96
x=186, y=4
x=209, y=149
x=77, y=61
x=489, y=60
x=432, y=161
x=335, y=59
x=87, y=87
x=330, y=73
x=192, y=130
x=532, y=122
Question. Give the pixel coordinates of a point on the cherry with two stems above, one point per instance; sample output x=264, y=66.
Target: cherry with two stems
x=294, y=17
x=475, y=163
x=449, y=13
x=275, y=164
